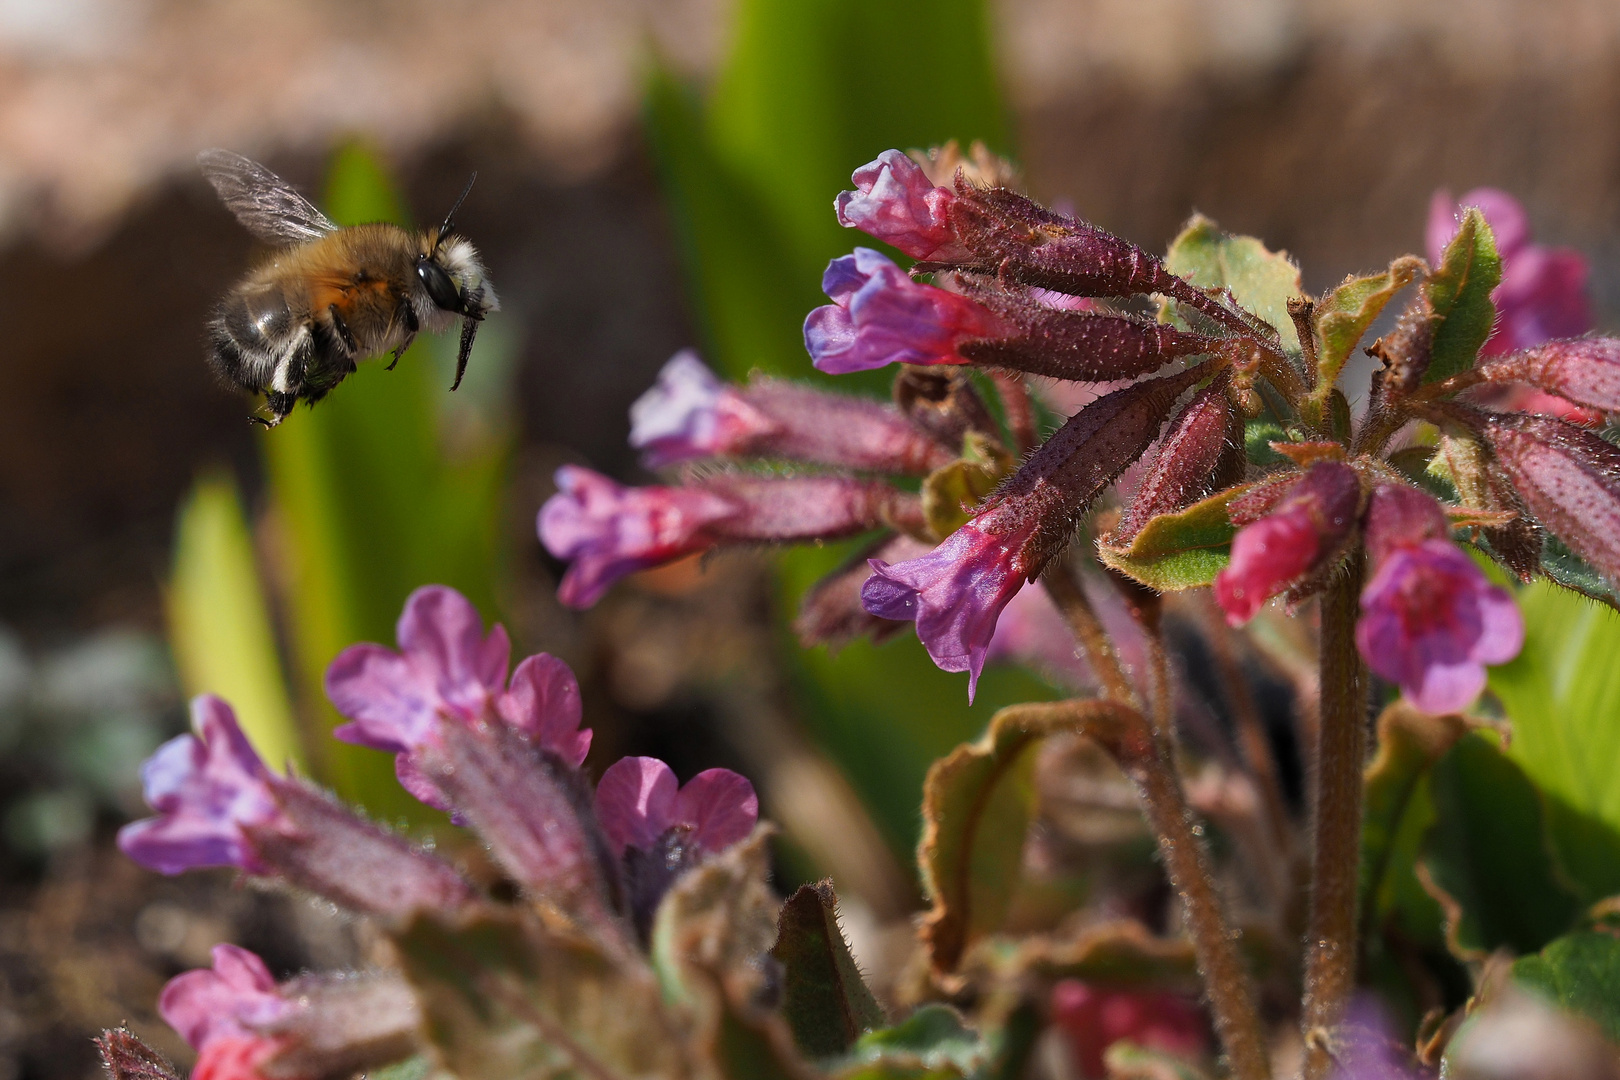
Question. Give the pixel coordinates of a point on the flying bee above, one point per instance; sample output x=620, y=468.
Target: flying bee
x=330, y=296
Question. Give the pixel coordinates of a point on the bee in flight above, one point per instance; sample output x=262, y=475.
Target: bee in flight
x=330, y=296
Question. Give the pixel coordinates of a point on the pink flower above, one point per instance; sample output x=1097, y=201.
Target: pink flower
x=1092, y=1019
x=690, y=414
x=207, y=789
x=1430, y=621
x=638, y=801
x=895, y=202
x=230, y=1001
x=1299, y=534
x=235, y=1057
x=610, y=532
x=447, y=670
x=880, y=316
x=956, y=592
x=1543, y=291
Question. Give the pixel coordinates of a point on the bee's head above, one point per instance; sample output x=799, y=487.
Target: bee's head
x=451, y=272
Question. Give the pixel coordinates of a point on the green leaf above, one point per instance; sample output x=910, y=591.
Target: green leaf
x=1262, y=281
x=1184, y=550
x=1572, y=572
x=1343, y=316
x=1258, y=435
x=1562, y=693
x=219, y=621
x=930, y=1042
x=951, y=493
x=1459, y=291
x=824, y=998
x=505, y=998
x=1487, y=855
x=373, y=503
x=1581, y=972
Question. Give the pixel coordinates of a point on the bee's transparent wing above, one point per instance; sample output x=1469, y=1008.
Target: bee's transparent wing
x=262, y=201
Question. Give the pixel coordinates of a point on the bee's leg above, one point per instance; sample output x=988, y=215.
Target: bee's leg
x=279, y=405
x=342, y=329
x=469, y=327
x=408, y=316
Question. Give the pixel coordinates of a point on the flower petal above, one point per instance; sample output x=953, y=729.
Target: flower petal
x=720, y=808
x=635, y=802
x=543, y=702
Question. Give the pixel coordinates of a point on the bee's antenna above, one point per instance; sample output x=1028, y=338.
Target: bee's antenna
x=450, y=218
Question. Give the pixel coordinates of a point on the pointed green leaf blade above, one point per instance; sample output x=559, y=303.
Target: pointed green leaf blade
x=824, y=998
x=1343, y=316
x=1459, y=291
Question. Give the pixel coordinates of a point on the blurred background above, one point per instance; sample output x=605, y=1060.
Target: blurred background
x=652, y=174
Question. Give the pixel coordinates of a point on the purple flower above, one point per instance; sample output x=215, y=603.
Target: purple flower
x=690, y=414
x=880, y=316
x=207, y=788
x=1543, y=291
x=234, y=998
x=609, y=531
x=1430, y=622
x=1301, y=532
x=955, y=593
x=895, y=202
x=638, y=801
x=447, y=669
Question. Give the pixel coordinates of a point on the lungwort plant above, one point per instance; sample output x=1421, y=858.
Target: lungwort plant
x=1365, y=508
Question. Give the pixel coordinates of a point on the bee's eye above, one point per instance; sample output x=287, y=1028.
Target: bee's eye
x=438, y=284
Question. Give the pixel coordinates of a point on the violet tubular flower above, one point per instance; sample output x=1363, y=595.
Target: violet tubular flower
x=1430, y=621
x=659, y=828
x=207, y=788
x=894, y=201
x=880, y=316
x=689, y=414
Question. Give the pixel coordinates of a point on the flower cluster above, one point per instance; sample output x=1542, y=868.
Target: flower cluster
x=504, y=756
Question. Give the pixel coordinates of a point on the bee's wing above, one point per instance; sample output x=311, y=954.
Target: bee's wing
x=262, y=201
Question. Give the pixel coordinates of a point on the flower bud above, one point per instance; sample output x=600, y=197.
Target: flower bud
x=1569, y=478
x=895, y=202
x=831, y=612
x=880, y=316
x=690, y=414
x=1430, y=621
x=1092, y=1019
x=1078, y=345
x=125, y=1057
x=1303, y=532
x=1585, y=371
x=1200, y=440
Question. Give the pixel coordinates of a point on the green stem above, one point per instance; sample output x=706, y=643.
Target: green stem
x=1330, y=938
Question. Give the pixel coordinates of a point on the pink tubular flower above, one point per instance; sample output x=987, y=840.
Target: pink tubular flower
x=956, y=592
x=1092, y=1019
x=610, y=532
x=231, y=1000
x=638, y=801
x=207, y=789
x=895, y=202
x=1304, y=529
x=448, y=670
x=1543, y=291
x=880, y=316
x=1430, y=621
x=690, y=414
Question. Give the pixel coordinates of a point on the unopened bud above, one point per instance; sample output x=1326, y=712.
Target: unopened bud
x=1181, y=473
x=1078, y=345
x=1585, y=371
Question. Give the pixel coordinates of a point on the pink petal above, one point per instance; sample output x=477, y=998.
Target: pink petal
x=379, y=690
x=543, y=701
x=1447, y=688
x=442, y=634
x=719, y=806
x=635, y=802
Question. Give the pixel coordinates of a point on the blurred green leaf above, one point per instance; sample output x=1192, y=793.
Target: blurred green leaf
x=1562, y=693
x=1487, y=855
x=1581, y=973
x=373, y=505
x=219, y=621
x=1459, y=291
x=1343, y=316
x=824, y=998
x=931, y=1042
x=1259, y=279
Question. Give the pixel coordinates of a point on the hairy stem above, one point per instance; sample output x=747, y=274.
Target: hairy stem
x=1330, y=938
x=1253, y=743
x=1226, y=980
x=1066, y=592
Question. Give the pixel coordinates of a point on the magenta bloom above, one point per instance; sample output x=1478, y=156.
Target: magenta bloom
x=1543, y=291
x=448, y=670
x=638, y=801
x=955, y=593
x=895, y=202
x=690, y=414
x=1430, y=622
x=233, y=998
x=1272, y=553
x=207, y=788
x=1093, y=1018
x=880, y=316
x=610, y=532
